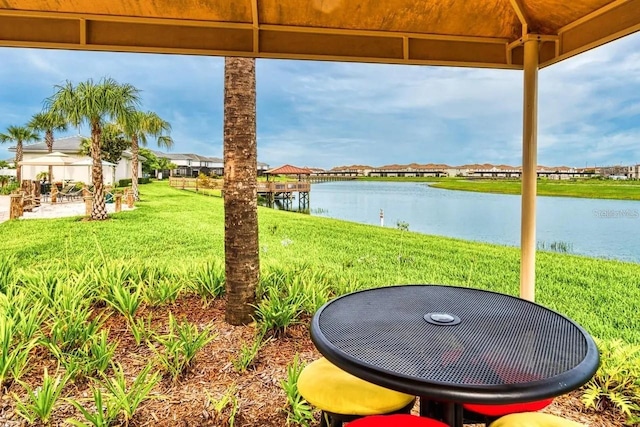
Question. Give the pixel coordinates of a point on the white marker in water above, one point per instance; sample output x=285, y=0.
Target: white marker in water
x=381, y=218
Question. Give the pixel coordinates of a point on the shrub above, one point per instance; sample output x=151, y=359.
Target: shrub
x=9, y=188
x=41, y=401
x=209, y=280
x=280, y=310
x=616, y=384
x=128, y=399
x=180, y=346
x=124, y=182
x=14, y=353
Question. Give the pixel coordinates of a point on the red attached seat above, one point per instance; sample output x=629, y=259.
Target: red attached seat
x=399, y=420
x=494, y=411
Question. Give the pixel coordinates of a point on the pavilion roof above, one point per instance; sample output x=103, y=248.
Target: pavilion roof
x=484, y=33
x=288, y=170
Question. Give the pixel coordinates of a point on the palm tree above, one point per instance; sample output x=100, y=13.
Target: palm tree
x=242, y=261
x=94, y=104
x=164, y=164
x=20, y=135
x=137, y=127
x=48, y=122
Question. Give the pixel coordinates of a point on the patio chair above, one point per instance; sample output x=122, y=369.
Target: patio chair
x=70, y=193
x=62, y=193
x=534, y=419
x=343, y=397
x=398, y=420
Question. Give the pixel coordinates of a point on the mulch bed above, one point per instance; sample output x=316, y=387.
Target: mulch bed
x=186, y=401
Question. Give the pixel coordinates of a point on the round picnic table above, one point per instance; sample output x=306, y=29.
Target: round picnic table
x=454, y=345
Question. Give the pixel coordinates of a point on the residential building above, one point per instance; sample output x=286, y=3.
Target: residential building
x=411, y=170
x=192, y=165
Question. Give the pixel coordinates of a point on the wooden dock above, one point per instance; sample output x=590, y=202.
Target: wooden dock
x=284, y=191
x=272, y=191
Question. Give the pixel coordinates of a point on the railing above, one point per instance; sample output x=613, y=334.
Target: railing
x=195, y=183
x=262, y=186
x=283, y=187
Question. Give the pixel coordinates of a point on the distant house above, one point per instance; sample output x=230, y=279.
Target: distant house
x=72, y=147
x=8, y=171
x=192, y=165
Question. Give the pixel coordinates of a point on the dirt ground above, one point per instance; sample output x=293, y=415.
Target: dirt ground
x=186, y=402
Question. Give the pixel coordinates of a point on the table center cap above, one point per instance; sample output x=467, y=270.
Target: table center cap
x=442, y=319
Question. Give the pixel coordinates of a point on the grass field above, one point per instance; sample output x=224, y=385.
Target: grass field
x=183, y=230
x=597, y=189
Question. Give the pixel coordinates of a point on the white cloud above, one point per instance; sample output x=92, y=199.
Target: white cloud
x=327, y=114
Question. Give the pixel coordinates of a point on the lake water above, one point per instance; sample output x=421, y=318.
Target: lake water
x=593, y=227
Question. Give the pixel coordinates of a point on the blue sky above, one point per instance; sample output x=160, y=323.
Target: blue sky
x=326, y=114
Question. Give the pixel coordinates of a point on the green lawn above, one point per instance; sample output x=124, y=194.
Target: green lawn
x=597, y=189
x=182, y=230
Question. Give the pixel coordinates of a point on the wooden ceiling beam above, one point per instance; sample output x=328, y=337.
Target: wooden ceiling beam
x=256, y=26
x=611, y=22
x=522, y=16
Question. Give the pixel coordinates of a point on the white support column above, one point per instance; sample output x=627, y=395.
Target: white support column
x=529, y=171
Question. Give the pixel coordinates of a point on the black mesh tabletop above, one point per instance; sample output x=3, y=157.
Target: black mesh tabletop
x=455, y=344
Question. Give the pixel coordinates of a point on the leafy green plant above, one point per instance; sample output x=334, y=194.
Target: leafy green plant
x=141, y=329
x=616, y=384
x=41, y=401
x=279, y=310
x=248, y=353
x=224, y=408
x=105, y=414
x=299, y=411
x=209, y=280
x=125, y=299
x=163, y=291
x=7, y=272
x=180, y=346
x=14, y=353
x=27, y=313
x=128, y=398
x=111, y=274
x=88, y=360
x=71, y=330
x=42, y=284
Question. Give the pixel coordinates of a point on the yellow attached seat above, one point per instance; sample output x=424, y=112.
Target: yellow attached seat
x=534, y=419
x=343, y=397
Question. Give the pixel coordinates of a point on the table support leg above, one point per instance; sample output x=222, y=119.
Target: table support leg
x=448, y=412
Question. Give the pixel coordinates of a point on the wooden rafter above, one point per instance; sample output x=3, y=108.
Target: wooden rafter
x=524, y=20
x=256, y=26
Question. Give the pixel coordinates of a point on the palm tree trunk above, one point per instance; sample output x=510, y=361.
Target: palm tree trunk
x=18, y=160
x=48, y=139
x=135, y=148
x=242, y=262
x=99, y=207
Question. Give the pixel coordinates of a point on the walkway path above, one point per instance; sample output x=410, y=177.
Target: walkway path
x=48, y=210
